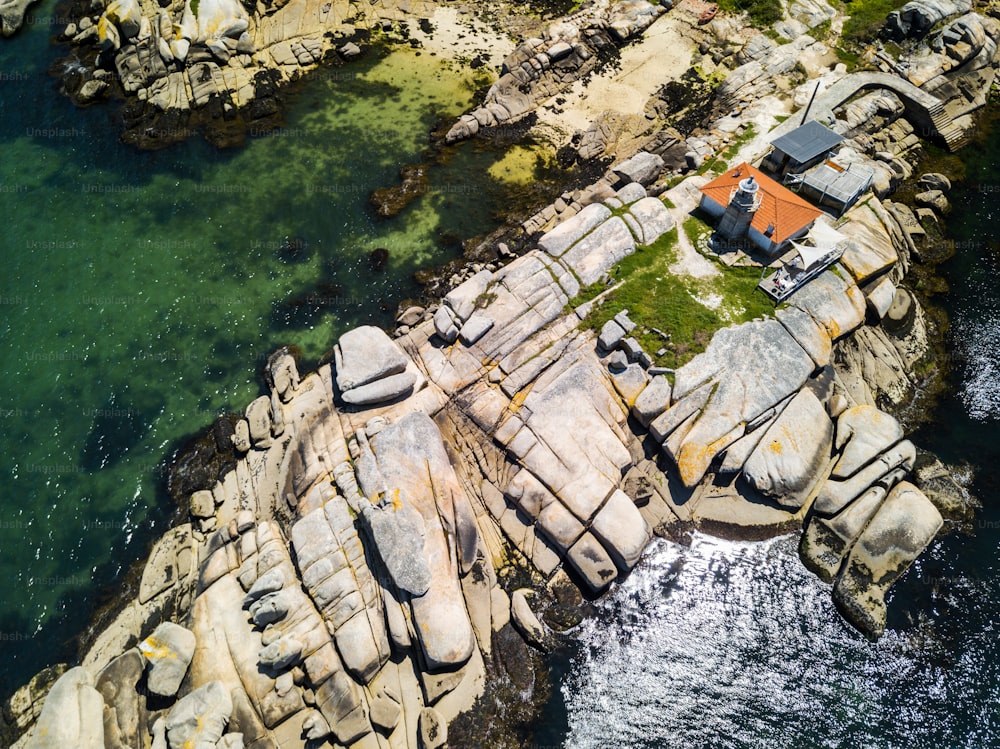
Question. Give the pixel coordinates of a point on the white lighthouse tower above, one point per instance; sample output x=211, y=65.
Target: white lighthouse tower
x=743, y=203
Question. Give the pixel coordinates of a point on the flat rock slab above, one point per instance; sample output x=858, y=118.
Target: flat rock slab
x=653, y=218
x=465, y=298
x=833, y=300
x=573, y=229
x=381, y=391
x=398, y=534
x=809, y=334
x=599, y=251
x=364, y=355
x=793, y=454
x=746, y=369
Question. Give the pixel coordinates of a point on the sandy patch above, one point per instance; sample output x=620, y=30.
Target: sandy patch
x=460, y=35
x=664, y=53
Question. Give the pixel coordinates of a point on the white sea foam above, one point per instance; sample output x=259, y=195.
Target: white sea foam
x=980, y=346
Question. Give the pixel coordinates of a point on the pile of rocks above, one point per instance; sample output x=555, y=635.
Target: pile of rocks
x=371, y=368
x=918, y=17
x=183, y=63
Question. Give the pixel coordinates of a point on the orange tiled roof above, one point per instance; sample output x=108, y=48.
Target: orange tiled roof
x=779, y=206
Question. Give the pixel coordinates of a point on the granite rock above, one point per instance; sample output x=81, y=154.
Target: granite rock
x=168, y=651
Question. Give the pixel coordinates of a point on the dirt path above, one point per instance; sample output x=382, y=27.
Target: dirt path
x=685, y=198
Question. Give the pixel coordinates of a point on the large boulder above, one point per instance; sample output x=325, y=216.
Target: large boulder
x=653, y=219
x=643, y=168
x=901, y=529
x=917, y=18
x=833, y=300
x=413, y=460
x=622, y=530
x=221, y=18
x=168, y=652
x=745, y=371
x=382, y=391
x=126, y=15
x=73, y=715
x=653, y=400
x=826, y=541
x=12, y=15
x=364, y=355
x=863, y=433
x=199, y=718
x=792, y=456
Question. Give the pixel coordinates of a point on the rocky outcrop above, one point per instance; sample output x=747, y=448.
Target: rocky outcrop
x=341, y=580
x=72, y=715
x=168, y=652
x=12, y=15
x=541, y=67
x=917, y=18
x=897, y=533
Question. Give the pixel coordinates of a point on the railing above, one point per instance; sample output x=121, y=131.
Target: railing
x=753, y=206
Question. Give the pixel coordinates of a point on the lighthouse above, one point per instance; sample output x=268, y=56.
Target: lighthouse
x=743, y=203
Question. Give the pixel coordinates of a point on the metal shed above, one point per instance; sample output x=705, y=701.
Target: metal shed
x=801, y=148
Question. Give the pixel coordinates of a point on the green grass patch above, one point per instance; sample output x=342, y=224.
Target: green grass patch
x=721, y=160
x=762, y=12
x=688, y=310
x=696, y=229
x=866, y=19
x=850, y=59
x=821, y=31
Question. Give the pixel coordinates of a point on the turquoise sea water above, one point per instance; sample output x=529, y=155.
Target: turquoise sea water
x=141, y=293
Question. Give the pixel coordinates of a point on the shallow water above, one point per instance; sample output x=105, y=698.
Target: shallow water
x=142, y=293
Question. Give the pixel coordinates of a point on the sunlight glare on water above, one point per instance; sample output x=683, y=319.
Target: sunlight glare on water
x=728, y=644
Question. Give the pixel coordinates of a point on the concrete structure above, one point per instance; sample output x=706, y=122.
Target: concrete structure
x=925, y=110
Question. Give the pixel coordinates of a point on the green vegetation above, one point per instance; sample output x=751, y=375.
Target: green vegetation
x=762, y=12
x=850, y=59
x=194, y=8
x=821, y=31
x=688, y=310
x=722, y=159
x=866, y=19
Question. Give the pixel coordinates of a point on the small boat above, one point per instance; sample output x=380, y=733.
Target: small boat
x=708, y=14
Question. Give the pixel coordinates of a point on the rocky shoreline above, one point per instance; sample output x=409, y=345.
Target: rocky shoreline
x=398, y=532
